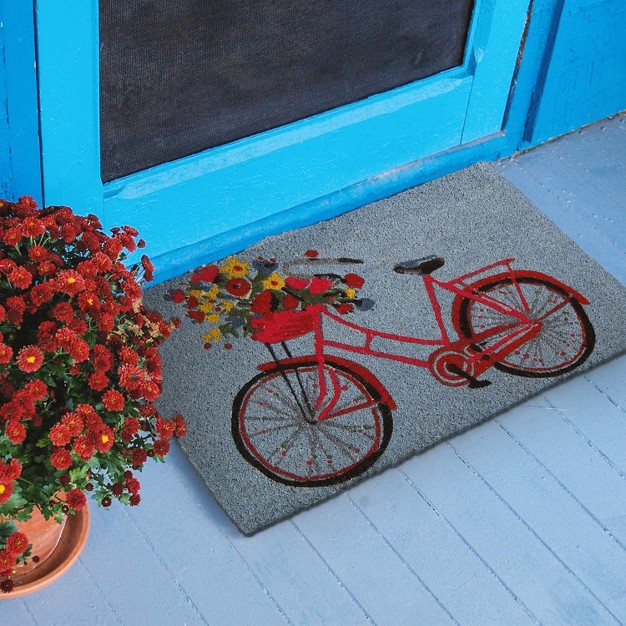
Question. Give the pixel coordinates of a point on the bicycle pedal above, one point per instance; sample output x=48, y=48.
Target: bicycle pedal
x=479, y=384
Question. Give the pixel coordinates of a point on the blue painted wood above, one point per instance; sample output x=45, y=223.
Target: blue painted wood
x=586, y=76
x=234, y=186
x=67, y=52
x=20, y=166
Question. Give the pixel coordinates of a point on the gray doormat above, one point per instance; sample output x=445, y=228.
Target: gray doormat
x=343, y=366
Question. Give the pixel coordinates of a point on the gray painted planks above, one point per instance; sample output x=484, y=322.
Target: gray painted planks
x=519, y=521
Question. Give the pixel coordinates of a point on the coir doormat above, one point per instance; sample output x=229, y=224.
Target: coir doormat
x=323, y=355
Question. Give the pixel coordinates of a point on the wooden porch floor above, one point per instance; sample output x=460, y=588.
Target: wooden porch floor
x=521, y=520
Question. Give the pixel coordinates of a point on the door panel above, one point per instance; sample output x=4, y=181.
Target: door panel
x=226, y=188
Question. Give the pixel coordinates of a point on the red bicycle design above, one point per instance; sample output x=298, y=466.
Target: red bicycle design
x=321, y=419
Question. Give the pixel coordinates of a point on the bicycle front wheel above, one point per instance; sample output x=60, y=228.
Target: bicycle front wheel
x=275, y=429
x=566, y=337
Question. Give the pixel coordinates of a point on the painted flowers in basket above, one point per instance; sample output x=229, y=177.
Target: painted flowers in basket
x=79, y=370
x=265, y=300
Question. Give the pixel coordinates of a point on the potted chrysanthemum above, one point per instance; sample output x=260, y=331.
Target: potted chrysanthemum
x=79, y=372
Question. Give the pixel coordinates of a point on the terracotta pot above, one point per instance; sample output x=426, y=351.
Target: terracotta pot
x=57, y=546
x=44, y=535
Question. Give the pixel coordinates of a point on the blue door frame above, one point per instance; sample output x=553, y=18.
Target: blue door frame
x=237, y=194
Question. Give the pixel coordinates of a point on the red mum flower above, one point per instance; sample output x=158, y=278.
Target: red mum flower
x=46, y=268
x=15, y=431
x=135, y=499
x=70, y=282
x=180, y=426
x=150, y=390
x=74, y=423
x=3, y=313
x=36, y=389
x=6, y=354
x=21, y=278
x=60, y=434
x=12, y=236
x=238, y=287
x=76, y=499
x=113, y=400
x=130, y=428
x=102, y=359
x=129, y=356
x=37, y=254
x=148, y=268
x=131, y=377
x=7, y=560
x=133, y=485
x=165, y=429
x=33, y=227
x=61, y=459
x=40, y=294
x=105, y=439
x=161, y=447
x=138, y=457
x=17, y=543
x=79, y=350
x=6, y=491
x=84, y=448
x=93, y=421
x=354, y=280
x=98, y=381
x=30, y=359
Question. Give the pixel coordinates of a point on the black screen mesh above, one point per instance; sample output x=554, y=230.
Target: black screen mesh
x=180, y=76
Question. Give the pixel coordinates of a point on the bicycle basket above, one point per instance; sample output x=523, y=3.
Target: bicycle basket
x=282, y=326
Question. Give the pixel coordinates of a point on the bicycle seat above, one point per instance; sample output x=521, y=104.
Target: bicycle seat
x=425, y=265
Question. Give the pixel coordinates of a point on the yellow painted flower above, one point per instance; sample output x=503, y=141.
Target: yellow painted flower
x=212, y=293
x=213, y=335
x=212, y=317
x=227, y=305
x=206, y=306
x=196, y=293
x=350, y=293
x=274, y=281
x=234, y=268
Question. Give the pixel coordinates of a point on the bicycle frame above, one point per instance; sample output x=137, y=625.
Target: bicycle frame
x=520, y=332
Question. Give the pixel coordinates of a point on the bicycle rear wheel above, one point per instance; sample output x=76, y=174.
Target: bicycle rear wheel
x=566, y=337
x=275, y=429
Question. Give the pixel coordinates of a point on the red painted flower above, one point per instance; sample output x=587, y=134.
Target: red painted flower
x=238, y=287
x=345, y=308
x=319, y=285
x=30, y=359
x=312, y=254
x=354, y=280
x=262, y=303
x=290, y=302
x=206, y=274
x=293, y=282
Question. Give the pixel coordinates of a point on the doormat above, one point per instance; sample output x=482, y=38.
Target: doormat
x=320, y=356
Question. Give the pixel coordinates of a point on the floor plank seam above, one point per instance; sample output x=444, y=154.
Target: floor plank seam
x=166, y=567
x=578, y=213
x=589, y=442
x=562, y=486
x=403, y=560
x=28, y=611
x=332, y=572
x=604, y=393
x=471, y=548
x=94, y=583
x=535, y=534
